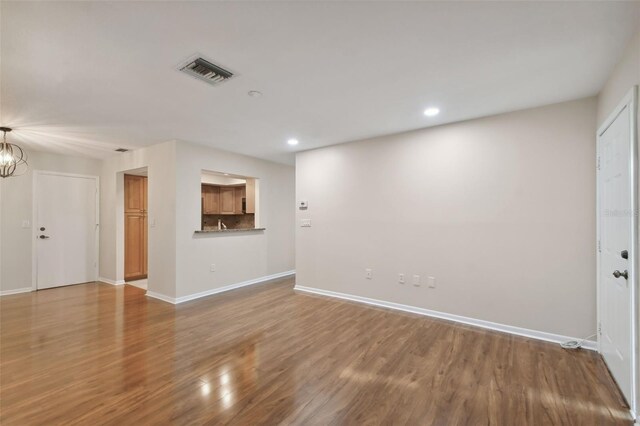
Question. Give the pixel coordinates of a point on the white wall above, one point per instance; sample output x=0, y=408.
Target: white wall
x=501, y=210
x=238, y=256
x=16, y=205
x=160, y=162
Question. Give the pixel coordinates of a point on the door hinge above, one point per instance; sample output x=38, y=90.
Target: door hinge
x=599, y=328
x=598, y=164
x=599, y=247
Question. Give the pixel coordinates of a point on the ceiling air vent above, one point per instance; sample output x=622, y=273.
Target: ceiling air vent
x=122, y=150
x=206, y=71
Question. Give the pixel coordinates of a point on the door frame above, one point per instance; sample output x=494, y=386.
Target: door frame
x=34, y=221
x=630, y=101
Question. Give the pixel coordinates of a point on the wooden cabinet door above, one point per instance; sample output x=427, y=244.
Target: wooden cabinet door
x=210, y=199
x=239, y=195
x=227, y=200
x=145, y=249
x=135, y=227
x=145, y=196
x=135, y=191
x=135, y=246
x=251, y=195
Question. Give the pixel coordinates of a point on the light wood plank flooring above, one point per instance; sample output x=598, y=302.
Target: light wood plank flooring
x=97, y=354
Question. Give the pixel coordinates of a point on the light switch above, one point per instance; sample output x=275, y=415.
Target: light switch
x=26, y=224
x=305, y=223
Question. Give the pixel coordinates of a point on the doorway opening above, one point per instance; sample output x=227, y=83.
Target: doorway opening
x=228, y=201
x=136, y=227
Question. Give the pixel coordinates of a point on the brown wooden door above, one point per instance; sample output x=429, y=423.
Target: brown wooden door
x=210, y=199
x=135, y=227
x=135, y=193
x=227, y=200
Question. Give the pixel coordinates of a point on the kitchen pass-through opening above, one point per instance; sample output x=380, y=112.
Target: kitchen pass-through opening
x=228, y=201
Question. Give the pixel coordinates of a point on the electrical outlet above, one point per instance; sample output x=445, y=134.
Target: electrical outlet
x=305, y=223
x=212, y=267
x=368, y=274
x=401, y=278
x=431, y=282
x=416, y=280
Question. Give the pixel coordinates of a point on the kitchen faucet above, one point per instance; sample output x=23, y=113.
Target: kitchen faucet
x=221, y=225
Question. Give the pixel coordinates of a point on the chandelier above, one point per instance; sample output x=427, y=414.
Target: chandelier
x=12, y=157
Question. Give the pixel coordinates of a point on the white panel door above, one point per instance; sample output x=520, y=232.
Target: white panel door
x=66, y=229
x=615, y=229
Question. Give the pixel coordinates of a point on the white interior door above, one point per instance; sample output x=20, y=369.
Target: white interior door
x=66, y=229
x=616, y=250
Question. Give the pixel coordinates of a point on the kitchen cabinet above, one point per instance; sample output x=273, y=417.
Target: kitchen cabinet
x=135, y=248
x=135, y=227
x=251, y=195
x=227, y=200
x=210, y=199
x=135, y=191
x=239, y=195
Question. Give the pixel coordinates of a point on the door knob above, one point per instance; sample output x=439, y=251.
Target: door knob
x=619, y=274
x=44, y=237
x=624, y=254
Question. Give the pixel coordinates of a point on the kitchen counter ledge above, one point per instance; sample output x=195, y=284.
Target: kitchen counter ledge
x=217, y=231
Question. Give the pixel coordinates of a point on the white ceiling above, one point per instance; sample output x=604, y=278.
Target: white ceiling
x=86, y=77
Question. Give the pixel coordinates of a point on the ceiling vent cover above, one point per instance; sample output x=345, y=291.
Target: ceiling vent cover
x=204, y=70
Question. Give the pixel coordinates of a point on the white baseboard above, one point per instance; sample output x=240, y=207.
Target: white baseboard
x=162, y=297
x=534, y=334
x=112, y=282
x=213, y=291
x=16, y=291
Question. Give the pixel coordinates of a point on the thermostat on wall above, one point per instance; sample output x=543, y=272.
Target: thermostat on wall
x=303, y=205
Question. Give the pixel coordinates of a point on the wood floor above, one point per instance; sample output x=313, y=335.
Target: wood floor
x=98, y=354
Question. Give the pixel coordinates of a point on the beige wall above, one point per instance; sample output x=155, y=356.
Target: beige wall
x=501, y=210
x=16, y=206
x=624, y=76
x=238, y=257
x=179, y=260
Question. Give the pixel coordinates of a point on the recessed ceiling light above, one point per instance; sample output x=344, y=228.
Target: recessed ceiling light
x=254, y=93
x=226, y=174
x=292, y=141
x=431, y=112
